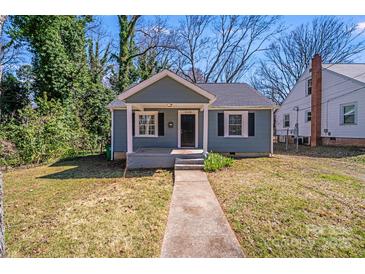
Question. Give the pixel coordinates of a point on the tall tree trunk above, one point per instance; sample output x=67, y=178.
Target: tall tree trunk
x=126, y=44
x=2, y=223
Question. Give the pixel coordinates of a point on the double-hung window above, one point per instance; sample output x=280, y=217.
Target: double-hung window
x=309, y=87
x=286, y=120
x=146, y=124
x=308, y=116
x=348, y=114
x=236, y=124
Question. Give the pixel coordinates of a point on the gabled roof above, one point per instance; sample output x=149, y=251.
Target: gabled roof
x=165, y=73
x=222, y=95
x=354, y=71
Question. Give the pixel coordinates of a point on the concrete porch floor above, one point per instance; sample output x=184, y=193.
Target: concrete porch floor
x=170, y=151
x=159, y=157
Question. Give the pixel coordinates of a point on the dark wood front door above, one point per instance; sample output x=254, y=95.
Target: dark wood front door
x=188, y=130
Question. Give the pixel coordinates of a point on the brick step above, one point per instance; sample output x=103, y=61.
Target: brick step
x=198, y=161
x=189, y=167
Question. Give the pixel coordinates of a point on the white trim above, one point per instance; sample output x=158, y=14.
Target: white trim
x=112, y=137
x=306, y=116
x=195, y=112
x=307, y=86
x=162, y=74
x=284, y=120
x=342, y=117
x=244, y=122
x=129, y=129
x=205, y=129
x=188, y=105
x=243, y=107
x=136, y=123
x=143, y=106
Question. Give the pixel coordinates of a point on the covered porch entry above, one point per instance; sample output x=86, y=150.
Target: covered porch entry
x=166, y=113
x=157, y=134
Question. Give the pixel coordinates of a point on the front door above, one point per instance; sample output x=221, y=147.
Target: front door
x=188, y=130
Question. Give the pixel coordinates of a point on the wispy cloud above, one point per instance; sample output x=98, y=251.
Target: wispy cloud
x=360, y=26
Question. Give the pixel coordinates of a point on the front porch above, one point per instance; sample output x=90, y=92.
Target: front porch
x=181, y=123
x=160, y=157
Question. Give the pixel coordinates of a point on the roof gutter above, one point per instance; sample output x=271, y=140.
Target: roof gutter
x=243, y=107
x=221, y=107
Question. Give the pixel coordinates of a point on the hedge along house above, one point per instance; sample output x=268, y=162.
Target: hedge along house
x=166, y=116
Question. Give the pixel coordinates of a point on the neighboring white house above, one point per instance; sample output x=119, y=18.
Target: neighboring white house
x=341, y=90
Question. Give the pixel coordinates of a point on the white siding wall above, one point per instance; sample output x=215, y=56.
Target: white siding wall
x=297, y=97
x=334, y=85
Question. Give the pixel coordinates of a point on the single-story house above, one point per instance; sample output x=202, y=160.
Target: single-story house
x=327, y=105
x=166, y=116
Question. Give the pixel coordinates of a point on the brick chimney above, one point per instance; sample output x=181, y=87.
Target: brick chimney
x=316, y=100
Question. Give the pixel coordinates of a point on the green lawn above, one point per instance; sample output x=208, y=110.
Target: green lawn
x=86, y=208
x=310, y=204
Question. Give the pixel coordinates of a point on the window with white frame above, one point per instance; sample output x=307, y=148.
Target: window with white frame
x=236, y=124
x=309, y=87
x=286, y=120
x=308, y=116
x=348, y=114
x=146, y=123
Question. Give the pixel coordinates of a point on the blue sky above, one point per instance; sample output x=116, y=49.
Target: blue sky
x=292, y=20
x=111, y=24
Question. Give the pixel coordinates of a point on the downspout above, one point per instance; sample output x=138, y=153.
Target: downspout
x=272, y=133
x=112, y=135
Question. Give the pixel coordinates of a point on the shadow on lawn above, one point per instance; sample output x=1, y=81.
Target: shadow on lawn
x=320, y=152
x=94, y=166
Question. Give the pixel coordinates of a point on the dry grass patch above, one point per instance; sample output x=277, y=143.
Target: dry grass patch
x=85, y=208
x=306, y=205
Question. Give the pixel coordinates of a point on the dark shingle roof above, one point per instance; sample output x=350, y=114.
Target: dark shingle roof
x=228, y=95
x=236, y=94
x=116, y=104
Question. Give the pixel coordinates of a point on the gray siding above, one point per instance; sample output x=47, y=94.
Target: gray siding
x=166, y=90
x=258, y=143
x=170, y=138
x=120, y=130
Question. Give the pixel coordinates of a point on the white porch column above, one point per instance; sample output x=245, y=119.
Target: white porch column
x=205, y=129
x=129, y=129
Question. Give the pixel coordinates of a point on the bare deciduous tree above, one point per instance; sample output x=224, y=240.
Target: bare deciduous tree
x=288, y=57
x=222, y=48
x=2, y=44
x=10, y=52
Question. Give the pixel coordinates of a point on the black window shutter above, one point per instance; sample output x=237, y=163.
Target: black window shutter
x=161, y=124
x=133, y=123
x=220, y=124
x=251, y=124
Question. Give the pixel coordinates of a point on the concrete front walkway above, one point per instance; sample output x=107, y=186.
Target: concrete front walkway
x=196, y=224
